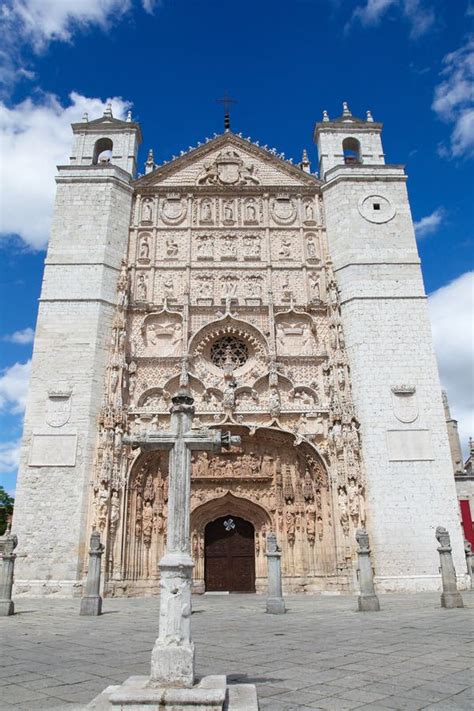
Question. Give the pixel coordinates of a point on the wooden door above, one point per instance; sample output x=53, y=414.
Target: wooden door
x=230, y=555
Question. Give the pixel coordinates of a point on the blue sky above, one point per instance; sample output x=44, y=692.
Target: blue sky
x=408, y=61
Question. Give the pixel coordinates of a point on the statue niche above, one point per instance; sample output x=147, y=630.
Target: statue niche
x=162, y=334
x=295, y=334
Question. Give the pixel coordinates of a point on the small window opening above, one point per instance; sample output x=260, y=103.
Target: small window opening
x=376, y=206
x=351, y=150
x=102, y=151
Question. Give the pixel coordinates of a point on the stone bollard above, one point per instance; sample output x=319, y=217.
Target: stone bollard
x=368, y=600
x=8, y=543
x=450, y=597
x=275, y=602
x=91, y=602
x=469, y=560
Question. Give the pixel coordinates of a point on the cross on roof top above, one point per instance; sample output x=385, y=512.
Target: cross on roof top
x=226, y=101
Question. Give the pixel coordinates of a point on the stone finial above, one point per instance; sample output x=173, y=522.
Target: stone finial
x=325, y=115
x=150, y=162
x=370, y=118
x=345, y=109
x=442, y=536
x=362, y=538
x=305, y=164
x=129, y=116
x=85, y=117
x=108, y=111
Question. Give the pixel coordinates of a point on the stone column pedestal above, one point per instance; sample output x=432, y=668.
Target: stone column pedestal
x=172, y=658
x=275, y=603
x=450, y=597
x=469, y=561
x=91, y=601
x=8, y=543
x=368, y=600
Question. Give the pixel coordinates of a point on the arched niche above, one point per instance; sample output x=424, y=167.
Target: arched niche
x=351, y=150
x=102, y=151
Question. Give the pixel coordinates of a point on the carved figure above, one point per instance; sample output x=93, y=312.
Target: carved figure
x=285, y=248
x=311, y=248
x=171, y=247
x=315, y=291
x=250, y=211
x=229, y=211
x=206, y=211
x=141, y=288
x=309, y=212
x=147, y=214
x=144, y=248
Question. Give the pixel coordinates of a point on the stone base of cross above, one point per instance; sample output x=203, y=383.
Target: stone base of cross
x=172, y=679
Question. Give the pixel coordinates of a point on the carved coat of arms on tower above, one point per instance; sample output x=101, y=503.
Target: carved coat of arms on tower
x=228, y=169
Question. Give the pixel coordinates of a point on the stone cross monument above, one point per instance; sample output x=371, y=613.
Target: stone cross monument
x=172, y=660
x=450, y=597
x=368, y=600
x=171, y=682
x=275, y=602
x=8, y=543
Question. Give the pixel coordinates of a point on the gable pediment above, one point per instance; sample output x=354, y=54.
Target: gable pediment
x=228, y=161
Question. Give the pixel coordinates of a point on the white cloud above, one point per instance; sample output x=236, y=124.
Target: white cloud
x=420, y=18
x=14, y=387
x=453, y=99
x=451, y=310
x=9, y=456
x=21, y=337
x=37, y=23
x=35, y=137
x=429, y=224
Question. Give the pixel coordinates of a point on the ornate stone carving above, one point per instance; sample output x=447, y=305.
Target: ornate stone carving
x=173, y=209
x=162, y=334
x=228, y=169
x=283, y=210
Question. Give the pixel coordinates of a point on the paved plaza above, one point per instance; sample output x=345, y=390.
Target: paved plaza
x=320, y=655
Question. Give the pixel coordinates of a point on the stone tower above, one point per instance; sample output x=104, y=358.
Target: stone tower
x=77, y=305
x=395, y=382
x=296, y=307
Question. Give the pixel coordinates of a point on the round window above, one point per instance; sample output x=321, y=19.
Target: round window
x=229, y=351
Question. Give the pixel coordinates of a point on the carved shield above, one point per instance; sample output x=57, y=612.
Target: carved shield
x=228, y=172
x=405, y=405
x=58, y=410
x=172, y=209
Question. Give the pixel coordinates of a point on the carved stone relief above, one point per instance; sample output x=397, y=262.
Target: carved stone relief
x=162, y=334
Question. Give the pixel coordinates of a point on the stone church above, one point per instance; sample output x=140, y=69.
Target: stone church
x=294, y=302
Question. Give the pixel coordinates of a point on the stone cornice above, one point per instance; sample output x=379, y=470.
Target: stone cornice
x=221, y=141
x=364, y=173
x=95, y=174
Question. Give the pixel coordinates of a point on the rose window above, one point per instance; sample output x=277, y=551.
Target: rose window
x=229, y=351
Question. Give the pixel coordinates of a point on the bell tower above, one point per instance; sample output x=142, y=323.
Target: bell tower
x=88, y=241
x=410, y=485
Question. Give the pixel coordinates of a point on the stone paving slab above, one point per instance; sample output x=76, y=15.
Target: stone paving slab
x=321, y=655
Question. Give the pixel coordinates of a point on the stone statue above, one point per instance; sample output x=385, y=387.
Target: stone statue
x=171, y=247
x=141, y=288
x=144, y=249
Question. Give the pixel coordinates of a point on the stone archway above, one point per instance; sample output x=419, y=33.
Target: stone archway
x=224, y=507
x=229, y=555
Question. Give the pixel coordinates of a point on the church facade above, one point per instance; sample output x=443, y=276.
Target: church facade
x=295, y=306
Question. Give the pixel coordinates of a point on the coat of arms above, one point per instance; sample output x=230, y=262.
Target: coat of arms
x=228, y=169
x=58, y=408
x=405, y=403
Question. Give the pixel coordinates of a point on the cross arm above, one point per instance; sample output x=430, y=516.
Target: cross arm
x=151, y=440
x=211, y=440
